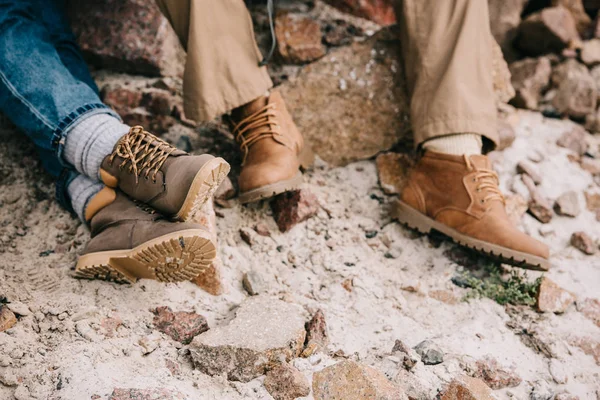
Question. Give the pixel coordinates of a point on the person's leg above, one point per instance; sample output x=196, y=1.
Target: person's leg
x=223, y=74
x=453, y=189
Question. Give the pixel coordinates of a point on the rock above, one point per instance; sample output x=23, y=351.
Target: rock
x=298, y=38
x=552, y=298
x=262, y=229
x=291, y=208
x=541, y=390
x=409, y=356
x=19, y=308
x=590, y=346
x=582, y=241
x=565, y=396
x=467, y=388
x=530, y=77
x=506, y=134
x=254, y=283
x=285, y=382
x=515, y=206
x=264, y=332
x=392, y=169
x=558, y=371
x=575, y=140
x=540, y=207
x=146, y=394
x=7, y=318
x=181, y=326
x=430, y=352
x=505, y=17
x=379, y=11
x=567, y=204
x=350, y=380
x=547, y=31
x=127, y=36
x=210, y=279
x=445, y=296
x=576, y=95
x=496, y=377
x=592, y=200
x=583, y=22
x=591, y=165
x=248, y=235
x=317, y=337
x=225, y=191
x=340, y=32
x=590, y=308
x=148, y=344
x=590, y=52
x=524, y=167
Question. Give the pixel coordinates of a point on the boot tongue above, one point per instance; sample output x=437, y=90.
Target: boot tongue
x=250, y=108
x=480, y=162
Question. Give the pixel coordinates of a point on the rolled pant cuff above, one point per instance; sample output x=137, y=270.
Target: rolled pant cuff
x=484, y=126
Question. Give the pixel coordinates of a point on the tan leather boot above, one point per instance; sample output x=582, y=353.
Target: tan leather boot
x=169, y=180
x=131, y=241
x=459, y=197
x=273, y=149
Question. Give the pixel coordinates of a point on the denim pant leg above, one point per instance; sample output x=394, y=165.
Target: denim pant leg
x=38, y=92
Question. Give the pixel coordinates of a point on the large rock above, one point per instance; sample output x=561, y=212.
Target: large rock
x=466, y=388
x=553, y=298
x=127, y=36
x=530, y=77
x=380, y=11
x=349, y=380
x=392, y=169
x=549, y=30
x=583, y=22
x=505, y=17
x=264, y=332
x=577, y=94
x=298, y=38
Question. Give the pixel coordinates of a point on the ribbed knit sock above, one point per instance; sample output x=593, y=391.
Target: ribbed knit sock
x=458, y=144
x=91, y=140
x=81, y=190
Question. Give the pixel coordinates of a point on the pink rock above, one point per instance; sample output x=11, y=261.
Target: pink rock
x=380, y=11
x=298, y=38
x=552, y=298
x=180, y=326
x=583, y=242
x=291, y=208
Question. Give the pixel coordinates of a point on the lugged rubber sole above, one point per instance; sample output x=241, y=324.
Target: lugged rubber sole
x=205, y=184
x=422, y=223
x=175, y=257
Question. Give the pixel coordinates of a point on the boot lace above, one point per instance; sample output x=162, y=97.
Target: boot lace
x=255, y=127
x=142, y=152
x=488, y=181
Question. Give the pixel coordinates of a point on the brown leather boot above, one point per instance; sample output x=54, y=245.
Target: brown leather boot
x=169, y=180
x=459, y=197
x=131, y=241
x=273, y=148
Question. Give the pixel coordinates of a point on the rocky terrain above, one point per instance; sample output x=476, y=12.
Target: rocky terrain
x=320, y=293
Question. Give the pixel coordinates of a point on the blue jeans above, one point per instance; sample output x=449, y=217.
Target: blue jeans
x=45, y=85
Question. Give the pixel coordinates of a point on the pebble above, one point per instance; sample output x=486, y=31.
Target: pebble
x=430, y=352
x=567, y=204
x=583, y=242
x=254, y=283
x=19, y=308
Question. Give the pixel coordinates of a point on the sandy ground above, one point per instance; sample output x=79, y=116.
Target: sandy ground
x=66, y=348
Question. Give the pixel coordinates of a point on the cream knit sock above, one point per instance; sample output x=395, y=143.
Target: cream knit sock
x=456, y=144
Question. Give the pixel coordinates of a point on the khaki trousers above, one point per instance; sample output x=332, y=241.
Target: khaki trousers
x=221, y=70
x=445, y=44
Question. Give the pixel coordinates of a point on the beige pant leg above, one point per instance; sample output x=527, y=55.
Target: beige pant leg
x=221, y=70
x=448, y=64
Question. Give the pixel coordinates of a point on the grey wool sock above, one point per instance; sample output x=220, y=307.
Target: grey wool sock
x=81, y=190
x=89, y=141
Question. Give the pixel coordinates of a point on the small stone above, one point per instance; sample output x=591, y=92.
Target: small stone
x=524, y=167
x=565, y=396
x=317, y=337
x=7, y=318
x=530, y=77
x=148, y=344
x=393, y=169
x=379, y=11
x=590, y=52
x=298, y=38
x=582, y=241
x=547, y=31
x=552, y=298
x=590, y=308
x=575, y=140
x=515, y=206
x=248, y=235
x=225, y=191
x=445, y=296
x=264, y=332
x=558, y=371
x=8, y=378
x=576, y=95
x=591, y=165
x=291, y=208
x=583, y=22
x=567, y=204
x=540, y=208
x=262, y=229
x=19, y=308
x=350, y=380
x=506, y=135
x=146, y=394
x=430, y=352
x=84, y=330
x=408, y=355
x=254, y=283
x=181, y=326
x=592, y=200
x=467, y=388
x=496, y=377
x=285, y=382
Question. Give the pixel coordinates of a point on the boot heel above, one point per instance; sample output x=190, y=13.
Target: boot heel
x=410, y=217
x=306, y=157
